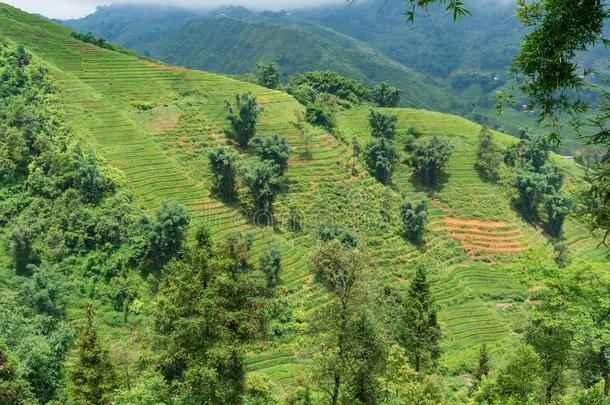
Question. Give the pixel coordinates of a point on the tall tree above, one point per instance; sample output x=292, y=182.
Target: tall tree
x=167, y=233
x=224, y=171
x=272, y=148
x=264, y=181
x=420, y=333
x=300, y=124
x=13, y=388
x=482, y=370
x=519, y=380
x=488, y=156
x=343, y=335
x=414, y=219
x=243, y=117
x=381, y=158
x=209, y=306
x=386, y=95
x=383, y=125
x=429, y=158
x=93, y=379
x=268, y=75
x=270, y=263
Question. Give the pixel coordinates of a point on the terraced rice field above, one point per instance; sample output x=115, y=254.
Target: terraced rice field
x=156, y=123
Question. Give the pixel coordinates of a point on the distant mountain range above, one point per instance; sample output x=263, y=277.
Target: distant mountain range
x=438, y=64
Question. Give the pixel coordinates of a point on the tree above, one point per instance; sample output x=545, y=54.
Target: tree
x=268, y=75
x=321, y=114
x=224, y=171
x=383, y=125
x=300, y=124
x=90, y=180
x=420, y=332
x=519, y=379
x=341, y=270
x=414, y=219
x=243, y=121
x=429, y=159
x=167, y=233
x=21, y=243
x=13, y=388
x=488, y=156
x=93, y=379
x=381, y=159
x=270, y=263
x=386, y=95
x=557, y=209
x=482, y=370
x=209, y=306
x=531, y=187
x=272, y=148
x=356, y=151
x=264, y=181
x=333, y=231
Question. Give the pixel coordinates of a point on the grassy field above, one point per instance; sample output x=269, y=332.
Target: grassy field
x=156, y=123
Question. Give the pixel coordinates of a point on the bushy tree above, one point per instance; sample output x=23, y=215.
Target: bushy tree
x=531, y=187
x=321, y=114
x=93, y=378
x=224, y=171
x=14, y=153
x=328, y=82
x=385, y=95
x=420, y=332
x=272, y=148
x=264, y=181
x=243, y=117
x=270, y=263
x=381, y=159
x=429, y=158
x=383, y=125
x=519, y=379
x=333, y=231
x=21, y=244
x=557, y=207
x=210, y=305
x=414, y=219
x=268, y=75
x=349, y=343
x=167, y=233
x=89, y=176
x=13, y=388
x=488, y=156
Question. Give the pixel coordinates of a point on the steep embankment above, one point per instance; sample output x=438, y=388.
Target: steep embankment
x=156, y=123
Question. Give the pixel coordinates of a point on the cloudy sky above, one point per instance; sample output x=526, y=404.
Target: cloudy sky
x=80, y=8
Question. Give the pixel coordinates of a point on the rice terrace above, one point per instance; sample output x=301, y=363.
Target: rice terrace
x=179, y=235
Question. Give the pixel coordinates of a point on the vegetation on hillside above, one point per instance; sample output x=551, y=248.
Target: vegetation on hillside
x=340, y=301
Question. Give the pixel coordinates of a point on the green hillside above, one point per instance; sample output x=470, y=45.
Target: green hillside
x=156, y=124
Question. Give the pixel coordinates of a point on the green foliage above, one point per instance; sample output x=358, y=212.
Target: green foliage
x=272, y=148
x=93, y=379
x=270, y=264
x=244, y=117
x=429, y=158
x=20, y=242
x=488, y=156
x=263, y=181
x=482, y=370
x=419, y=329
x=209, y=306
x=414, y=219
x=328, y=82
x=13, y=389
x=333, y=231
x=519, y=379
x=381, y=159
x=167, y=233
x=304, y=133
x=321, y=114
x=385, y=95
x=268, y=75
x=90, y=180
x=224, y=169
x=383, y=125
x=89, y=38
x=557, y=207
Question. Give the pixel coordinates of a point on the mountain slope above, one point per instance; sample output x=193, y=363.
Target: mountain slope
x=162, y=151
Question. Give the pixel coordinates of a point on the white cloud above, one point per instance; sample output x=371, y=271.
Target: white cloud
x=79, y=8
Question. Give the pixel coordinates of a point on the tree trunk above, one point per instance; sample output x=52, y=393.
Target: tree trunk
x=336, y=389
x=605, y=372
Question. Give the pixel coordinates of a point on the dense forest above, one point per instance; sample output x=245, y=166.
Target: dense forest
x=304, y=242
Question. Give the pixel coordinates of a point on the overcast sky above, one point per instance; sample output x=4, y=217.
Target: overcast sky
x=80, y=8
